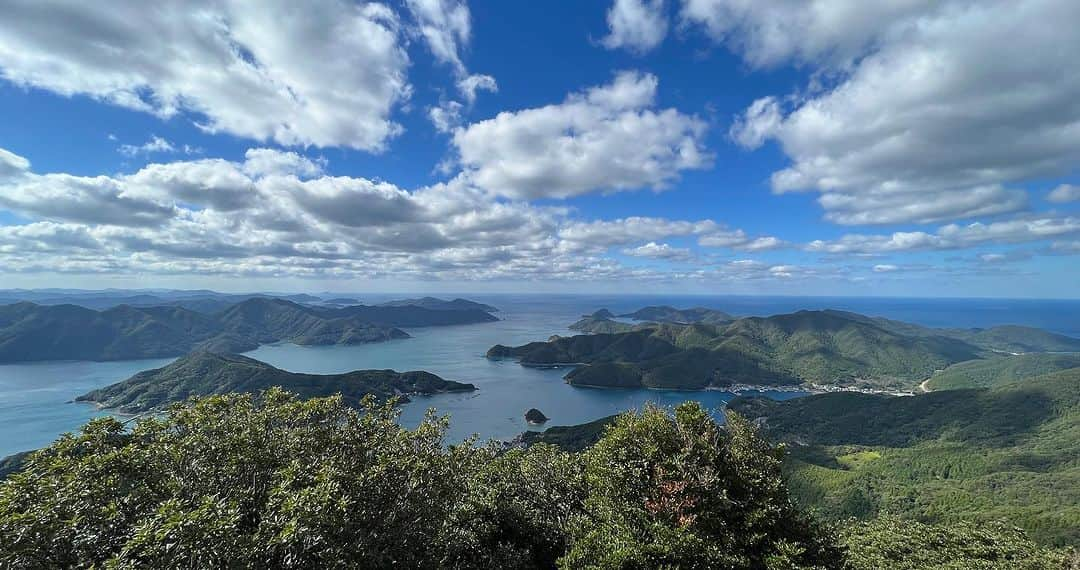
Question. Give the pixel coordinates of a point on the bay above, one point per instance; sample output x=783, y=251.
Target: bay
x=35, y=399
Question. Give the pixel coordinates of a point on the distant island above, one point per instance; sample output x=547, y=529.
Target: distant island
x=807, y=347
x=957, y=455
x=603, y=321
x=32, y=332
x=437, y=304
x=205, y=373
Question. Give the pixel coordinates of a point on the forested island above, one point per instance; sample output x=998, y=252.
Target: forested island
x=807, y=347
x=204, y=373
x=32, y=332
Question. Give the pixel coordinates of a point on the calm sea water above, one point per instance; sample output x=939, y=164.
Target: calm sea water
x=35, y=399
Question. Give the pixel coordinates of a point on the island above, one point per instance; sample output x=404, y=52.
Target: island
x=32, y=332
x=535, y=416
x=824, y=348
x=206, y=373
x=437, y=304
x=603, y=321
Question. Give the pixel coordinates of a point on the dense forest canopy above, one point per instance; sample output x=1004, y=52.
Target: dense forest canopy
x=272, y=481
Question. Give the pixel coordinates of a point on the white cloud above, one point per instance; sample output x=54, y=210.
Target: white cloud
x=953, y=236
x=636, y=25
x=446, y=117
x=156, y=144
x=603, y=234
x=918, y=111
x=279, y=213
x=1065, y=247
x=445, y=26
x=476, y=82
x=769, y=32
x=739, y=240
x=326, y=75
x=607, y=139
x=885, y=268
x=655, y=250
x=1064, y=193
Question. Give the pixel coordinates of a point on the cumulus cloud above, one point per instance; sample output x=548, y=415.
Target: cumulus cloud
x=636, y=25
x=918, y=111
x=954, y=236
x=769, y=32
x=885, y=268
x=278, y=213
x=653, y=250
x=328, y=74
x=608, y=138
x=739, y=240
x=1064, y=193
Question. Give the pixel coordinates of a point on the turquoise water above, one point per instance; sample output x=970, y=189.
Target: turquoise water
x=35, y=399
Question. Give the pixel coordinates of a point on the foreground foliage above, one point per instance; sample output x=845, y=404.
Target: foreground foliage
x=236, y=481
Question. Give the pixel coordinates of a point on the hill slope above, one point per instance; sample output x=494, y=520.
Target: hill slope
x=666, y=314
x=205, y=373
x=808, y=346
x=1000, y=370
x=31, y=332
x=958, y=455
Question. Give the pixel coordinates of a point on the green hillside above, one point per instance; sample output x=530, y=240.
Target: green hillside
x=30, y=332
x=825, y=347
x=1011, y=452
x=1005, y=338
x=1001, y=370
x=666, y=314
x=205, y=373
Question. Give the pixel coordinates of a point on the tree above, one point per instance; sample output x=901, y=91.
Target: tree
x=681, y=492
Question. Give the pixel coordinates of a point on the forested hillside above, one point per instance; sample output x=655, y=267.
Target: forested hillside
x=1006, y=453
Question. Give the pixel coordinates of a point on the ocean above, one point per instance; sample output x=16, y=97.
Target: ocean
x=36, y=399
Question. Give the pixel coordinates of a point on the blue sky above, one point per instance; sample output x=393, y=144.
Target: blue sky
x=692, y=146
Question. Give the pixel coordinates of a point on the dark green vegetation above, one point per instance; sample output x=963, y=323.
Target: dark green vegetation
x=275, y=482
x=1000, y=370
x=601, y=322
x=535, y=416
x=13, y=463
x=206, y=373
x=820, y=347
x=1005, y=338
x=665, y=314
x=567, y=438
x=895, y=544
x=809, y=346
x=437, y=304
x=68, y=332
x=1011, y=452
